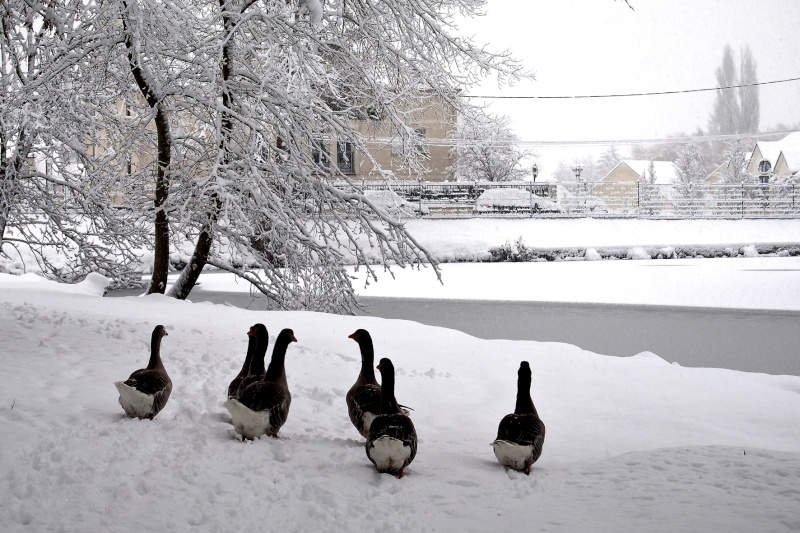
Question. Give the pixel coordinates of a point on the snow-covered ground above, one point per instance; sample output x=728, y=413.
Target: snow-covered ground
x=747, y=282
x=633, y=444
x=471, y=239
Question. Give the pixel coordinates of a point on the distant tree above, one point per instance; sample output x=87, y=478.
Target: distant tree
x=486, y=149
x=689, y=179
x=608, y=160
x=748, y=94
x=736, y=110
x=648, y=191
x=734, y=174
x=563, y=173
x=725, y=116
x=735, y=165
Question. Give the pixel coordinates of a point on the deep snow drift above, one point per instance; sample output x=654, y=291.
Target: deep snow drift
x=633, y=444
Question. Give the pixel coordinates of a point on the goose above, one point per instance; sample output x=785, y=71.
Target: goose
x=392, y=441
x=255, y=370
x=364, y=397
x=262, y=407
x=147, y=390
x=252, y=341
x=520, y=436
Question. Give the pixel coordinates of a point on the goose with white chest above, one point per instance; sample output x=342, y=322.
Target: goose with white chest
x=392, y=441
x=145, y=393
x=520, y=435
x=262, y=407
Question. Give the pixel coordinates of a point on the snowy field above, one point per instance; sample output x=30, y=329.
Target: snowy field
x=747, y=282
x=633, y=444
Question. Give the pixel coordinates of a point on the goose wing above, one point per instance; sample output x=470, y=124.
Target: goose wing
x=524, y=430
x=149, y=381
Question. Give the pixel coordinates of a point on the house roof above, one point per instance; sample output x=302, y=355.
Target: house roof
x=665, y=170
x=789, y=145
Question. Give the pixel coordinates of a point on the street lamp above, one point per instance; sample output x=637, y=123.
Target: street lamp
x=535, y=171
x=577, y=169
x=764, y=168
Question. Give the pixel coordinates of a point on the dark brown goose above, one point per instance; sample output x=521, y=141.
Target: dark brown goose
x=147, y=390
x=520, y=436
x=364, y=397
x=392, y=440
x=252, y=341
x=262, y=407
x=255, y=370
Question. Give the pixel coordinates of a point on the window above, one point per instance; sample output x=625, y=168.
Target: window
x=321, y=156
x=344, y=157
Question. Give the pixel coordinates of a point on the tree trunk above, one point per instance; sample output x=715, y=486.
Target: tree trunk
x=202, y=250
x=158, y=283
x=188, y=278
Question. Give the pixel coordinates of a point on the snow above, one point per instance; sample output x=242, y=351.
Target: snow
x=513, y=199
x=633, y=444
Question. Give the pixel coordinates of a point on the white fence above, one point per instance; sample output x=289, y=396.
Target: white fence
x=611, y=200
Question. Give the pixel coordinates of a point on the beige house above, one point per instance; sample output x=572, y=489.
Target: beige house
x=431, y=122
x=783, y=157
x=620, y=189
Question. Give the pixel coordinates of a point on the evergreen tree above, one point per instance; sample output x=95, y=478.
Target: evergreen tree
x=725, y=116
x=736, y=109
x=748, y=94
x=648, y=192
x=689, y=179
x=607, y=161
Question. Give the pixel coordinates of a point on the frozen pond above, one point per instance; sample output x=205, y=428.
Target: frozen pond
x=751, y=341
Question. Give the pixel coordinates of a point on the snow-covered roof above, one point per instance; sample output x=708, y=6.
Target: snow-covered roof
x=789, y=145
x=665, y=170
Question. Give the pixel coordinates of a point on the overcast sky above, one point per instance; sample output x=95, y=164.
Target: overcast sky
x=579, y=47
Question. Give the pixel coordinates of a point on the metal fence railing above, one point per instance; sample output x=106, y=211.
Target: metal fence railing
x=581, y=199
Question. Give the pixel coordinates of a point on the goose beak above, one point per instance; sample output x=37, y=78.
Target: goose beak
x=352, y=336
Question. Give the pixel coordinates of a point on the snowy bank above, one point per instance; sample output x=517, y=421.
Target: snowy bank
x=633, y=444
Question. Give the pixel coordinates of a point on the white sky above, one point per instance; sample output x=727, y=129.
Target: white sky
x=578, y=47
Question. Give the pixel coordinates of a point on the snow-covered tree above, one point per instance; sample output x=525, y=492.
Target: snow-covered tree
x=736, y=110
x=248, y=89
x=54, y=96
x=648, y=190
x=734, y=171
x=749, y=107
x=724, y=118
x=689, y=179
x=486, y=149
x=608, y=160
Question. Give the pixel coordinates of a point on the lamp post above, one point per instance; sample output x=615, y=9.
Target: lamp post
x=577, y=169
x=764, y=168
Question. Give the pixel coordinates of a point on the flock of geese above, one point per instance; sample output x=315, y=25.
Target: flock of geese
x=259, y=399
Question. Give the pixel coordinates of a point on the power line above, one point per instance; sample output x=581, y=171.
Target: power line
x=449, y=142
x=625, y=95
